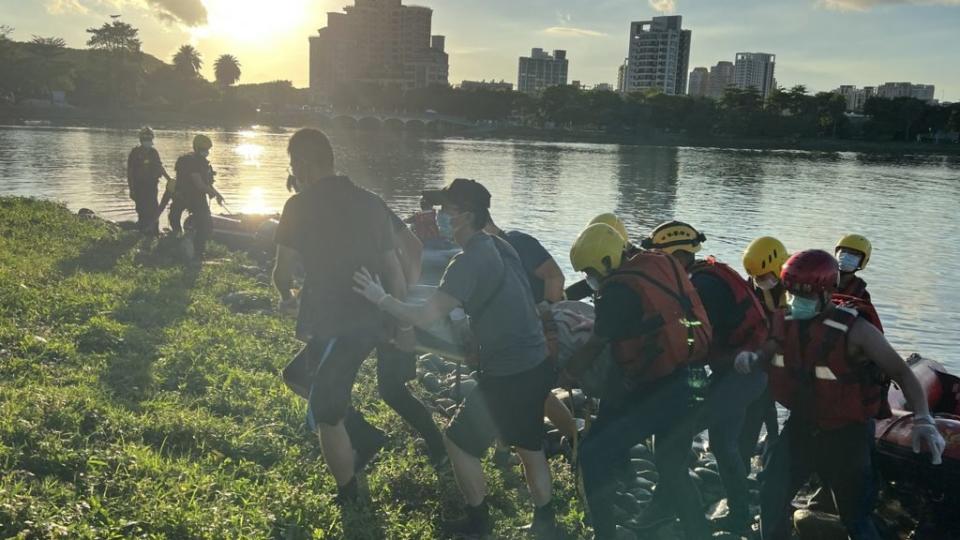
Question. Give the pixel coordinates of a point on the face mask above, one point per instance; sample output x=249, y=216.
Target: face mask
x=849, y=262
x=204, y=153
x=146, y=144
x=803, y=309
x=445, y=225
x=593, y=282
x=768, y=283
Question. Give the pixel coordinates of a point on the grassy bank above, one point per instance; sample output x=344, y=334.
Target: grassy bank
x=135, y=403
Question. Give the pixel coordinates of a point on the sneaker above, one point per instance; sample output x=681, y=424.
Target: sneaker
x=366, y=451
x=476, y=524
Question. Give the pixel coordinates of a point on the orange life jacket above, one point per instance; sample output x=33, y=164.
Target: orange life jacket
x=814, y=378
x=674, y=330
x=754, y=326
x=863, y=305
x=856, y=288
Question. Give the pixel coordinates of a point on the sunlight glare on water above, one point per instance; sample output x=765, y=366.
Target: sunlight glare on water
x=906, y=205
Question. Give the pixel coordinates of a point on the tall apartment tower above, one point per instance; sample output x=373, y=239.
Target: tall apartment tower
x=699, y=82
x=377, y=41
x=755, y=70
x=622, y=76
x=892, y=90
x=542, y=70
x=659, y=56
x=721, y=76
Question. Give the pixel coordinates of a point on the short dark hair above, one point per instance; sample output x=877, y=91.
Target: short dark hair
x=480, y=218
x=311, y=144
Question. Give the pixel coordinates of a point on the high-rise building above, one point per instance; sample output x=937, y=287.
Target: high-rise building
x=659, y=54
x=721, y=76
x=542, y=70
x=856, y=97
x=603, y=87
x=377, y=41
x=699, y=82
x=892, y=90
x=622, y=76
x=755, y=70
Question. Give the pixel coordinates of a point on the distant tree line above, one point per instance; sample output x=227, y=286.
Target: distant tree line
x=786, y=113
x=113, y=71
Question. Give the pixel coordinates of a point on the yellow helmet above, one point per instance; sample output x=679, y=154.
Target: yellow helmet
x=599, y=247
x=764, y=255
x=858, y=243
x=674, y=236
x=202, y=142
x=612, y=220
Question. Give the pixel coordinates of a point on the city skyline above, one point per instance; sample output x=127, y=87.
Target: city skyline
x=819, y=43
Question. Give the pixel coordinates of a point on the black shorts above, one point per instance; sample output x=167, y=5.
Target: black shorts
x=506, y=408
x=395, y=366
x=324, y=371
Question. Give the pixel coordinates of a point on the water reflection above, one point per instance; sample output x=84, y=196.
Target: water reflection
x=647, y=180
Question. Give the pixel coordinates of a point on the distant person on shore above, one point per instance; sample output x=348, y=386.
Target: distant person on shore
x=488, y=280
x=424, y=224
x=194, y=188
x=335, y=228
x=144, y=170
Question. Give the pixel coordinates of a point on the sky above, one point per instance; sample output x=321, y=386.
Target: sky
x=819, y=43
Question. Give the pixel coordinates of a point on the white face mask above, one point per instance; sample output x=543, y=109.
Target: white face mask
x=767, y=283
x=593, y=282
x=849, y=261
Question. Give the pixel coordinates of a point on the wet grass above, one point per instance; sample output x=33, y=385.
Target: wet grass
x=135, y=403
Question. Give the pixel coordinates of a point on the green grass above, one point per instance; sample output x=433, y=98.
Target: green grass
x=135, y=403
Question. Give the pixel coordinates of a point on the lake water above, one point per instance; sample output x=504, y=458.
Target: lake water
x=907, y=206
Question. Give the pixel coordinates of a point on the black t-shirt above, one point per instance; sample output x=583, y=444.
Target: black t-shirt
x=619, y=312
x=337, y=227
x=532, y=256
x=187, y=166
x=143, y=167
x=720, y=304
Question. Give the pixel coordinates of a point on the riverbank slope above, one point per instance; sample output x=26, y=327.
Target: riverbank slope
x=134, y=402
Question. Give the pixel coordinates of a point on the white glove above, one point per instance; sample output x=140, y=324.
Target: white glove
x=927, y=436
x=744, y=362
x=369, y=287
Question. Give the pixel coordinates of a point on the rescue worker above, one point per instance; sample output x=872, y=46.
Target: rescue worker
x=827, y=375
x=853, y=253
x=144, y=170
x=740, y=326
x=648, y=312
x=580, y=290
x=194, y=187
x=487, y=279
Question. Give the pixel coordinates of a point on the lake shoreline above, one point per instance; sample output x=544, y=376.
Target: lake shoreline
x=133, y=118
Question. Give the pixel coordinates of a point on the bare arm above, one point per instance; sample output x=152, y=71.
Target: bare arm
x=865, y=338
x=283, y=271
x=553, y=280
x=411, y=253
x=198, y=182
x=438, y=306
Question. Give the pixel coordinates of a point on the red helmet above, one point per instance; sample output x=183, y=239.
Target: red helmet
x=810, y=271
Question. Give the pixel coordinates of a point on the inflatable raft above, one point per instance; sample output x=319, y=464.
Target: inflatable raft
x=895, y=455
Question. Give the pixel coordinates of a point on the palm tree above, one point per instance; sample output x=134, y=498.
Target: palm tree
x=227, y=70
x=187, y=61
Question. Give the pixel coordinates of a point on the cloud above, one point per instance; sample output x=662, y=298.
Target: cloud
x=186, y=12
x=665, y=6
x=569, y=31
x=866, y=5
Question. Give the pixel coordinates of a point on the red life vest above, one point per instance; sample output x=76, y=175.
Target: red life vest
x=864, y=306
x=674, y=330
x=815, y=379
x=856, y=288
x=754, y=327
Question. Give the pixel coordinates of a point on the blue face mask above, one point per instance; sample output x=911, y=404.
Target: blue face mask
x=445, y=225
x=146, y=143
x=803, y=309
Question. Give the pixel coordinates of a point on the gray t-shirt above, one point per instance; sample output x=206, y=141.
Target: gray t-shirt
x=503, y=318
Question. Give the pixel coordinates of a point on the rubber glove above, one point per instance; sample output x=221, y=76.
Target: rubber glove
x=927, y=436
x=369, y=287
x=744, y=362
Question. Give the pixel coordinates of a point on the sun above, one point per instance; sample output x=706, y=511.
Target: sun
x=254, y=21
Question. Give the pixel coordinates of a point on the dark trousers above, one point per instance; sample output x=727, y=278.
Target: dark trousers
x=394, y=369
x=726, y=407
x=842, y=457
x=145, y=200
x=761, y=413
x=662, y=409
x=200, y=220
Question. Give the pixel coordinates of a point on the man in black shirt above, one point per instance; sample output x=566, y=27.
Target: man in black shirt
x=194, y=188
x=335, y=228
x=144, y=170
